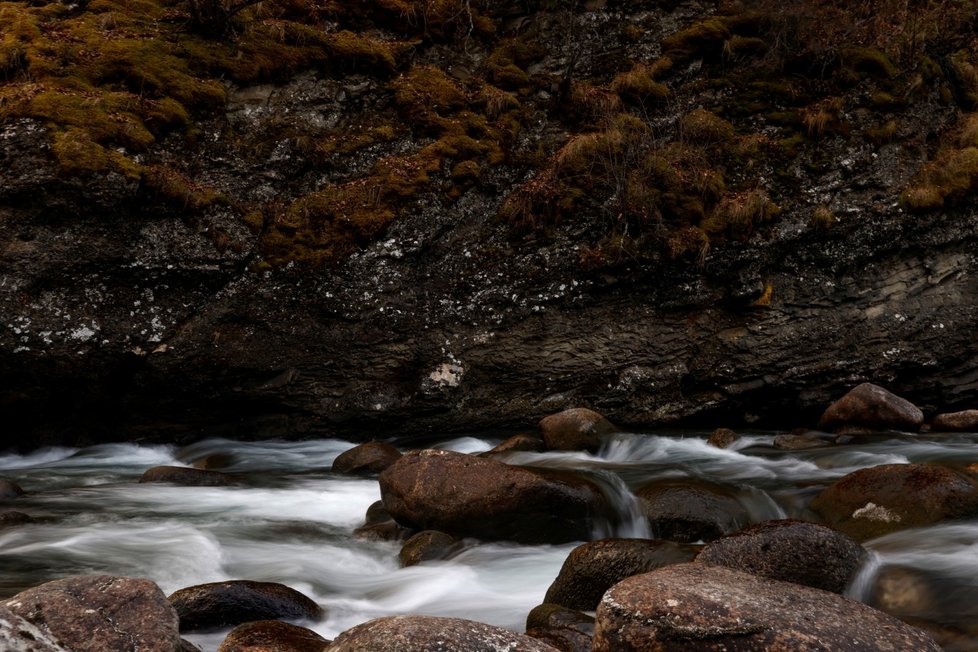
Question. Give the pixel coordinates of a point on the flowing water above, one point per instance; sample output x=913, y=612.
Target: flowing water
x=291, y=521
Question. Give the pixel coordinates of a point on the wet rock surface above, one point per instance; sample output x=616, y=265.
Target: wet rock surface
x=790, y=551
x=188, y=477
x=18, y=635
x=869, y=406
x=101, y=613
x=594, y=567
x=427, y=546
x=221, y=604
x=689, y=512
x=365, y=459
x=431, y=634
x=882, y=499
x=710, y=608
x=465, y=495
x=575, y=429
x=964, y=421
x=272, y=636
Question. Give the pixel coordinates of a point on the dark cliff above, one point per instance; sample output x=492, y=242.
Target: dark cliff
x=421, y=216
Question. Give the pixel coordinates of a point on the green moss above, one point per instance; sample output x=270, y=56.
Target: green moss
x=700, y=40
x=868, y=61
x=742, y=47
x=425, y=95
x=822, y=218
x=638, y=85
x=703, y=126
x=359, y=52
x=174, y=188
x=883, y=134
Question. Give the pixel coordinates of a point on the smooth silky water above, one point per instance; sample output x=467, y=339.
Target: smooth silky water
x=291, y=521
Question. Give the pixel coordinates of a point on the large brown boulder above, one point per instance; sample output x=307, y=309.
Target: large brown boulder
x=101, y=613
x=187, y=476
x=871, y=407
x=575, y=429
x=690, y=511
x=701, y=608
x=366, y=459
x=882, y=499
x=18, y=635
x=223, y=604
x=272, y=636
x=472, y=496
x=790, y=551
x=594, y=567
x=432, y=634
x=965, y=421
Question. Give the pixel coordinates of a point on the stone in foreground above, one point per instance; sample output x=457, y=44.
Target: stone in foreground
x=872, y=407
x=575, y=429
x=272, y=636
x=223, y=604
x=465, y=495
x=790, y=551
x=101, y=613
x=700, y=608
x=432, y=634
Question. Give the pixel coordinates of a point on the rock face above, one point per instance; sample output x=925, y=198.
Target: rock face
x=594, y=567
x=689, y=512
x=101, y=613
x=471, y=496
x=872, y=407
x=18, y=635
x=790, y=551
x=187, y=477
x=964, y=421
x=430, y=634
x=710, y=608
x=365, y=459
x=272, y=636
x=878, y=500
x=575, y=429
x=221, y=604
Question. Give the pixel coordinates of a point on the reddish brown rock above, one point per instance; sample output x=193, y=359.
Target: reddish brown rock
x=431, y=634
x=18, y=635
x=466, y=495
x=575, y=429
x=869, y=406
x=187, y=476
x=521, y=443
x=272, y=636
x=965, y=421
x=223, y=604
x=722, y=438
x=796, y=441
x=427, y=546
x=366, y=459
x=101, y=613
x=702, y=608
x=566, y=629
x=594, y=567
x=882, y=499
x=689, y=511
x=790, y=551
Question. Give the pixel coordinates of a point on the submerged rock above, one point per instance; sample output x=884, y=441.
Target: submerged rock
x=790, y=551
x=594, y=567
x=871, y=407
x=222, y=604
x=272, y=636
x=10, y=489
x=964, y=421
x=722, y=438
x=431, y=634
x=875, y=501
x=796, y=441
x=188, y=477
x=566, y=629
x=101, y=613
x=688, y=511
x=427, y=546
x=365, y=459
x=522, y=442
x=466, y=495
x=711, y=608
x=575, y=429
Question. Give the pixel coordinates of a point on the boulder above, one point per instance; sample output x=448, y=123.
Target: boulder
x=427, y=546
x=10, y=489
x=869, y=406
x=722, y=438
x=790, y=551
x=224, y=604
x=272, y=636
x=377, y=513
x=18, y=635
x=594, y=567
x=565, y=629
x=466, y=495
x=881, y=499
x=698, y=607
x=575, y=429
x=366, y=459
x=432, y=634
x=187, y=476
x=965, y=421
x=519, y=443
x=690, y=511
x=101, y=613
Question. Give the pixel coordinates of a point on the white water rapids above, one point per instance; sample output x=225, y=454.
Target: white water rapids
x=291, y=522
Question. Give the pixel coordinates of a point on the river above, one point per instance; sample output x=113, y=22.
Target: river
x=291, y=521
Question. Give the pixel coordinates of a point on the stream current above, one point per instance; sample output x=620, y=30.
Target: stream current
x=291, y=521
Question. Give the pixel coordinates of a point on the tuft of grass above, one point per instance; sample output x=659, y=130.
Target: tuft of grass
x=638, y=85
x=705, y=127
x=948, y=179
x=739, y=215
